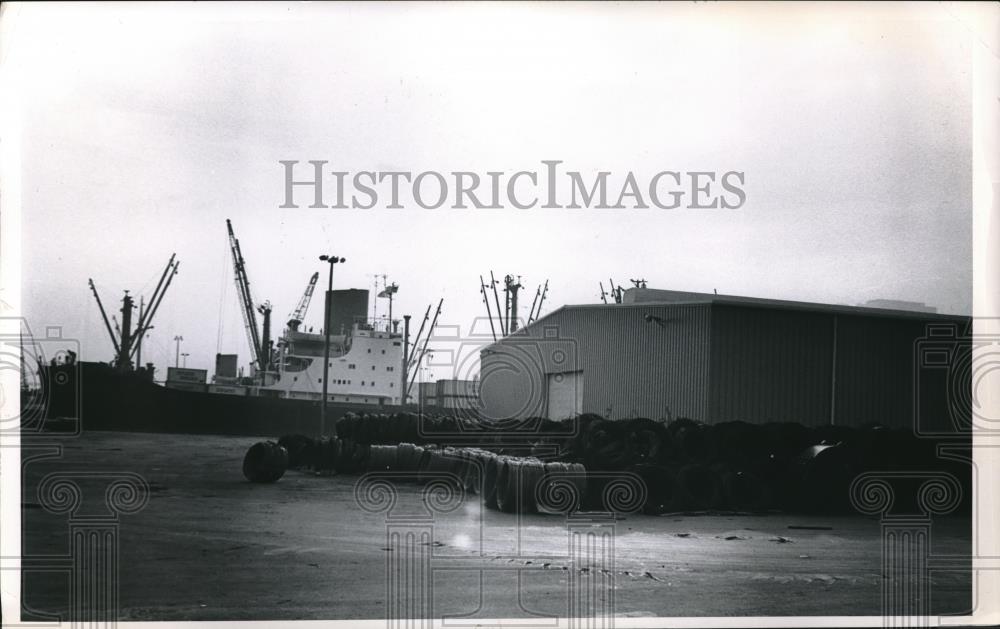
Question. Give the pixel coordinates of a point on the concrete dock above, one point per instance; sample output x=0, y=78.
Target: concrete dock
x=211, y=546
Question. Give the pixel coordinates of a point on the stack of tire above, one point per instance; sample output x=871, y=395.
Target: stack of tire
x=389, y=429
x=684, y=465
x=690, y=466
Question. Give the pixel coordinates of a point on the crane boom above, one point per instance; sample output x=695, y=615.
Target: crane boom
x=145, y=318
x=147, y=322
x=535, y=314
x=246, y=300
x=104, y=315
x=298, y=315
x=423, y=352
x=486, y=300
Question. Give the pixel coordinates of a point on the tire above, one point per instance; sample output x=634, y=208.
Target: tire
x=746, y=491
x=329, y=448
x=265, y=462
x=381, y=458
x=698, y=487
x=506, y=487
x=353, y=458
x=659, y=483
x=298, y=449
x=826, y=472
x=491, y=473
x=406, y=457
x=532, y=472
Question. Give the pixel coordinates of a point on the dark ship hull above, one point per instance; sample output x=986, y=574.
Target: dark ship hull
x=94, y=396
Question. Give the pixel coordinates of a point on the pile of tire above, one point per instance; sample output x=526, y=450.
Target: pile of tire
x=429, y=428
x=690, y=466
x=512, y=484
x=380, y=428
x=683, y=465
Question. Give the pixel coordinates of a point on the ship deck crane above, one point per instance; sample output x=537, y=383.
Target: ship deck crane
x=299, y=314
x=247, y=308
x=125, y=340
x=415, y=362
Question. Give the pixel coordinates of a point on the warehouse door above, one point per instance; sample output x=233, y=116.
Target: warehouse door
x=565, y=394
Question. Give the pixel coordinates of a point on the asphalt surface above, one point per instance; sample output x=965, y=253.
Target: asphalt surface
x=210, y=546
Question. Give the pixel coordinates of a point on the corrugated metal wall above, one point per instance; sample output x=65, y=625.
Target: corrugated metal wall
x=875, y=370
x=631, y=366
x=770, y=365
x=724, y=362
x=882, y=371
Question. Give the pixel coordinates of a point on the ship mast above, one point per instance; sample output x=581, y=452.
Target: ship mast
x=507, y=318
x=388, y=291
x=511, y=287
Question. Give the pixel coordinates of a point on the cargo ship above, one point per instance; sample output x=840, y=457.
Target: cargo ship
x=371, y=367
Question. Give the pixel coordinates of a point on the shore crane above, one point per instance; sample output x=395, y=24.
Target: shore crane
x=298, y=315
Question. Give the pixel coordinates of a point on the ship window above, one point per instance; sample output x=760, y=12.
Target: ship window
x=383, y=351
x=320, y=379
x=369, y=350
x=362, y=383
x=352, y=366
x=295, y=379
x=392, y=384
x=395, y=343
x=373, y=367
x=389, y=368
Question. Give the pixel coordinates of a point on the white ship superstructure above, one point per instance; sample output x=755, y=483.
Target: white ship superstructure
x=365, y=367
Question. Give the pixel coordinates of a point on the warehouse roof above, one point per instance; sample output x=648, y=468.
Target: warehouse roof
x=646, y=297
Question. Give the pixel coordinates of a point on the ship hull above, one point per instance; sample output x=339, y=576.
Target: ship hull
x=93, y=396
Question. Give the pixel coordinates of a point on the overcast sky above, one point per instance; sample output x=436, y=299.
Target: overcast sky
x=145, y=127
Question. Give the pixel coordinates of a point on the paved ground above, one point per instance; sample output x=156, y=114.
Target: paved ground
x=211, y=546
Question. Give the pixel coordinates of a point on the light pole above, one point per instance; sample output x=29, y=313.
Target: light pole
x=177, y=352
x=331, y=260
x=185, y=356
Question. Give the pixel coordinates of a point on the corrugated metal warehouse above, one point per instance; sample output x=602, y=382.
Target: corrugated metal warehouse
x=714, y=358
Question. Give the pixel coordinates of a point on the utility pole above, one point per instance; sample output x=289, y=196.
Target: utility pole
x=331, y=260
x=185, y=355
x=177, y=352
